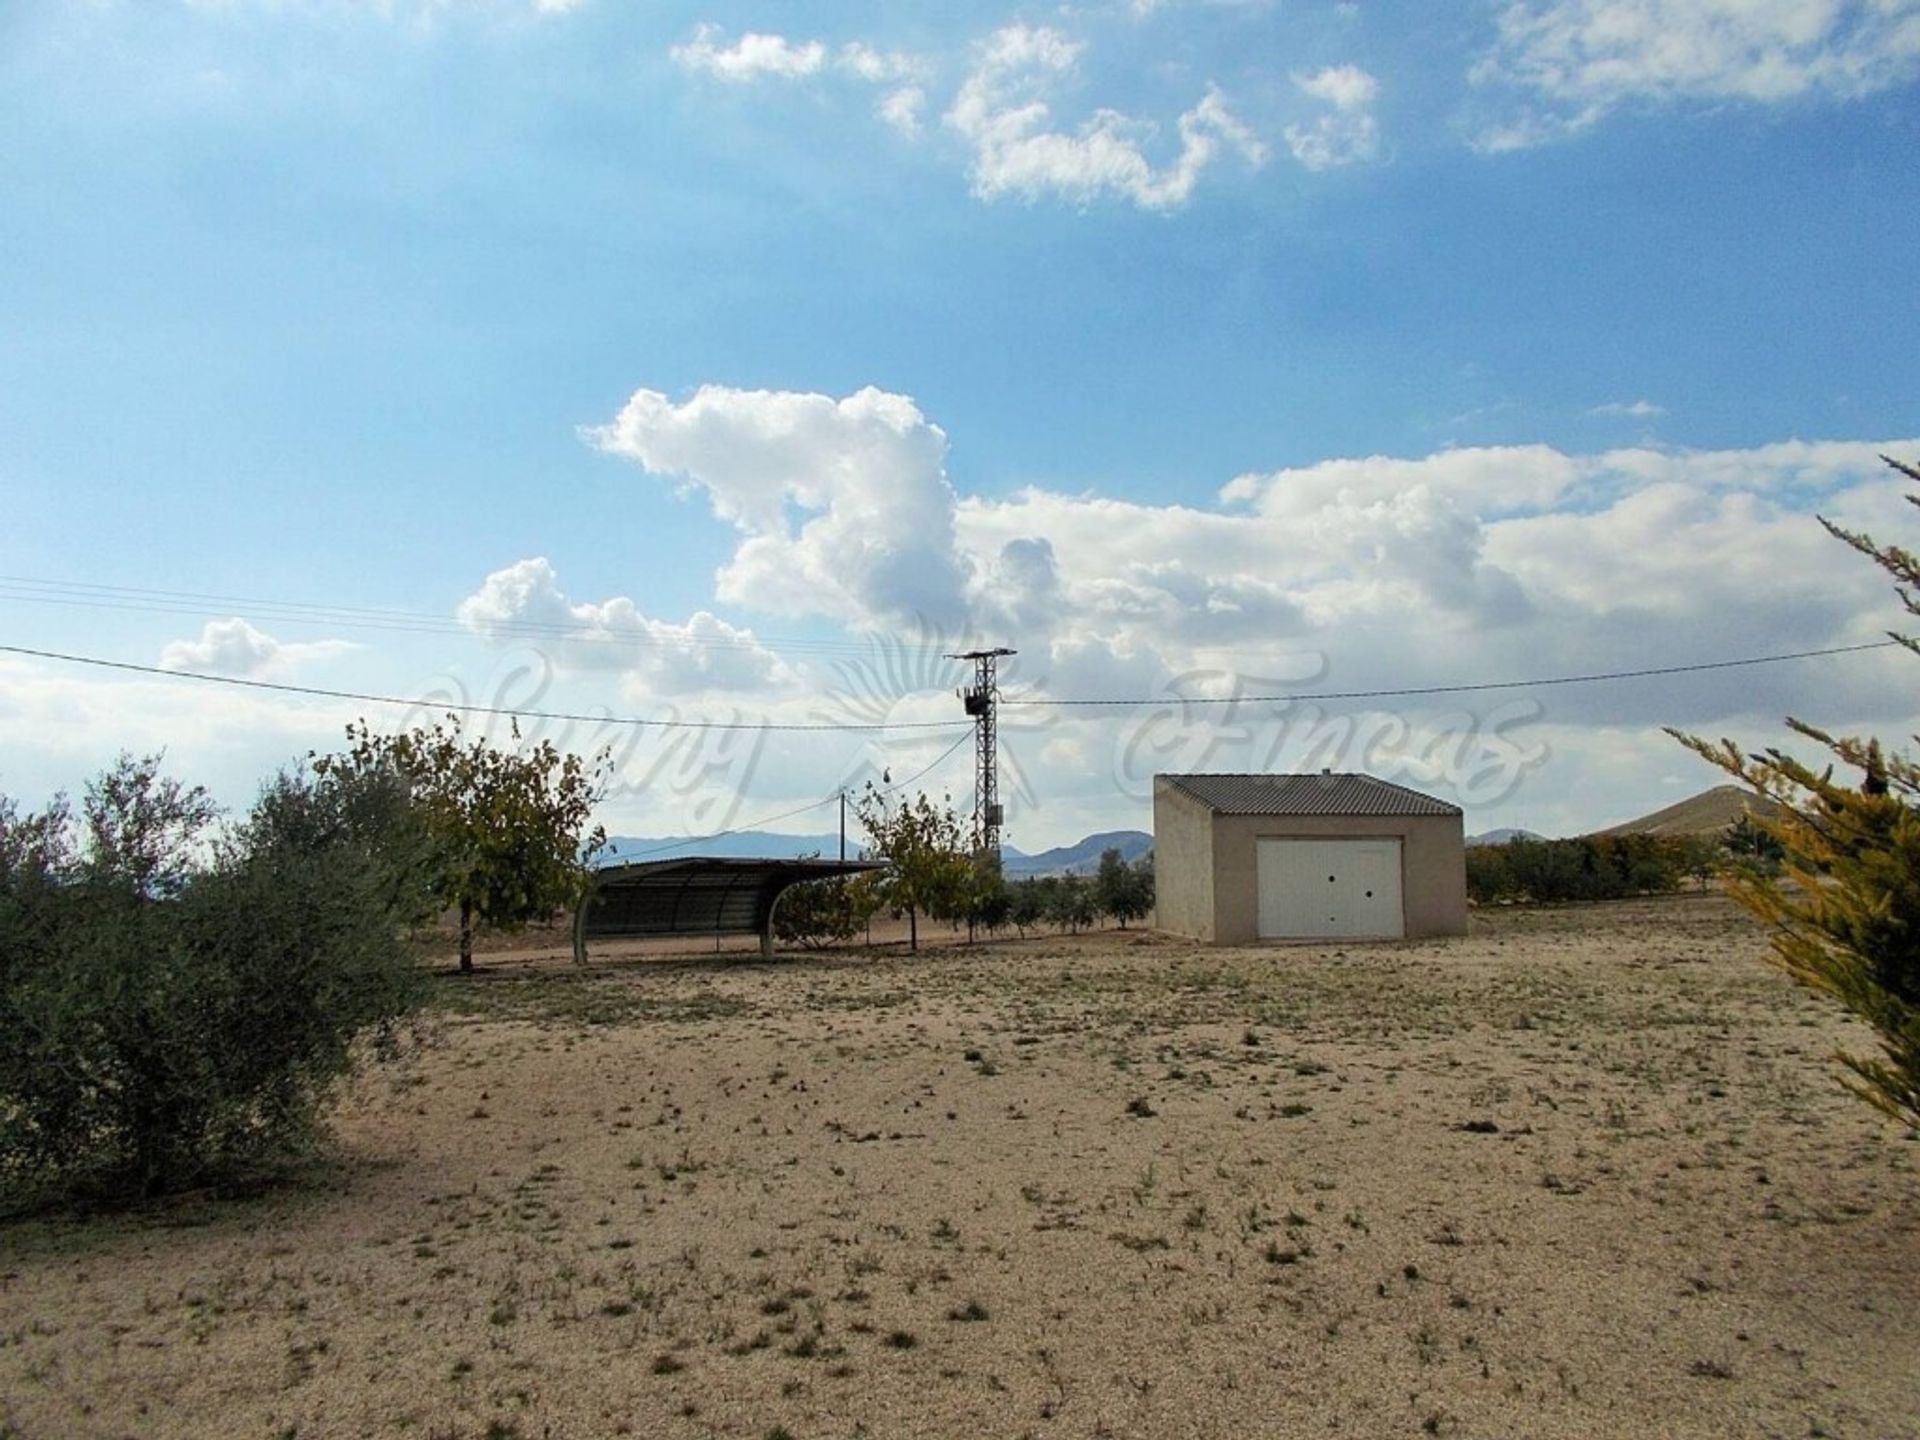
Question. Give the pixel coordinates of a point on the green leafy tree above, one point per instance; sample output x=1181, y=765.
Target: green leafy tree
x=1751, y=847
x=177, y=1005
x=503, y=834
x=1027, y=905
x=928, y=871
x=1846, y=915
x=989, y=898
x=820, y=913
x=1699, y=858
x=1490, y=878
x=1121, y=890
x=1070, y=903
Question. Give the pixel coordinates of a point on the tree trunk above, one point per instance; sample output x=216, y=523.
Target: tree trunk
x=466, y=937
x=913, y=930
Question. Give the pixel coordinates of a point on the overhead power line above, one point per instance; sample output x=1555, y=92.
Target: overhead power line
x=1400, y=692
x=75, y=594
x=1527, y=684
x=502, y=711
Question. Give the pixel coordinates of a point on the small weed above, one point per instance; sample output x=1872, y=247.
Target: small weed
x=901, y=1340
x=1141, y=1108
x=971, y=1312
x=668, y=1365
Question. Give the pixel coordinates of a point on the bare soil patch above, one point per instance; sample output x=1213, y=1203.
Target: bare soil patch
x=1585, y=1173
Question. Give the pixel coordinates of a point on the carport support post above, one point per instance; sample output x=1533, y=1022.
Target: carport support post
x=766, y=937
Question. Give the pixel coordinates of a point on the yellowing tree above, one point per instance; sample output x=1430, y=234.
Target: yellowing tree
x=1846, y=913
x=505, y=831
x=928, y=871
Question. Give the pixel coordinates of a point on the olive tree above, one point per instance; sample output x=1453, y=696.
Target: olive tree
x=928, y=871
x=178, y=1003
x=503, y=833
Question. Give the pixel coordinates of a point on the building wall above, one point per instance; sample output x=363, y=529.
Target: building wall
x=1433, y=858
x=1182, y=863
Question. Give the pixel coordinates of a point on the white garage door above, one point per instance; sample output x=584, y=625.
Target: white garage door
x=1327, y=889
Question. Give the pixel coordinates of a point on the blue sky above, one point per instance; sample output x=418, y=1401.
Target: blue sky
x=709, y=359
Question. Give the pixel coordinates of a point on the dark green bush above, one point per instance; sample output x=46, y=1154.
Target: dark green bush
x=819, y=913
x=1591, y=867
x=1123, y=891
x=177, y=1007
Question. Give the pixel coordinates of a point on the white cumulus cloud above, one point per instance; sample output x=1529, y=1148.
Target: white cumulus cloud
x=234, y=647
x=754, y=56
x=524, y=604
x=1468, y=563
x=1348, y=132
x=1002, y=112
x=1581, y=59
x=842, y=506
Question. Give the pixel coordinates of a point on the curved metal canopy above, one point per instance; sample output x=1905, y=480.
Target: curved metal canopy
x=695, y=895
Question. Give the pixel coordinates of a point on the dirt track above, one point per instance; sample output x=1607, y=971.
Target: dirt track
x=1586, y=1173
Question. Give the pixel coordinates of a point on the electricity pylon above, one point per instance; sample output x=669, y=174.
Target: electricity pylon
x=981, y=702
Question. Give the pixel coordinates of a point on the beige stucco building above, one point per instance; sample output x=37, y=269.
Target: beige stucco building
x=1243, y=858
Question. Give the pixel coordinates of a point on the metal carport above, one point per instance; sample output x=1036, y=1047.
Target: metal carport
x=694, y=895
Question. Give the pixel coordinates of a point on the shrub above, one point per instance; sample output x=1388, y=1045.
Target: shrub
x=1070, y=903
x=819, y=913
x=1591, y=867
x=1121, y=890
x=1845, y=920
x=178, y=1007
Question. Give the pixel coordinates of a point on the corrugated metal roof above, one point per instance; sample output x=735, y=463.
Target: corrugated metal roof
x=1323, y=794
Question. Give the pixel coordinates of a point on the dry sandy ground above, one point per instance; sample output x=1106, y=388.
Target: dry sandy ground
x=1584, y=1174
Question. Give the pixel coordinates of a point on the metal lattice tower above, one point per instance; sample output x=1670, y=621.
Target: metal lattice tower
x=981, y=702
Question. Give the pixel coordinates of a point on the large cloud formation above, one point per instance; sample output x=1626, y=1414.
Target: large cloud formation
x=842, y=506
x=1467, y=564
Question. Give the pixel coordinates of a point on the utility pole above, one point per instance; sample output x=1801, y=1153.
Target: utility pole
x=981, y=701
x=843, y=824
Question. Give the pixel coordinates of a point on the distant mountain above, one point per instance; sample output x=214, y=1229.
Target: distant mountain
x=1708, y=813
x=1080, y=859
x=1502, y=836
x=746, y=845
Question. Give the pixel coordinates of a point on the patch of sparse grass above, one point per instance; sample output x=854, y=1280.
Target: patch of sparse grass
x=901, y=1340
x=970, y=1313
x=570, y=998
